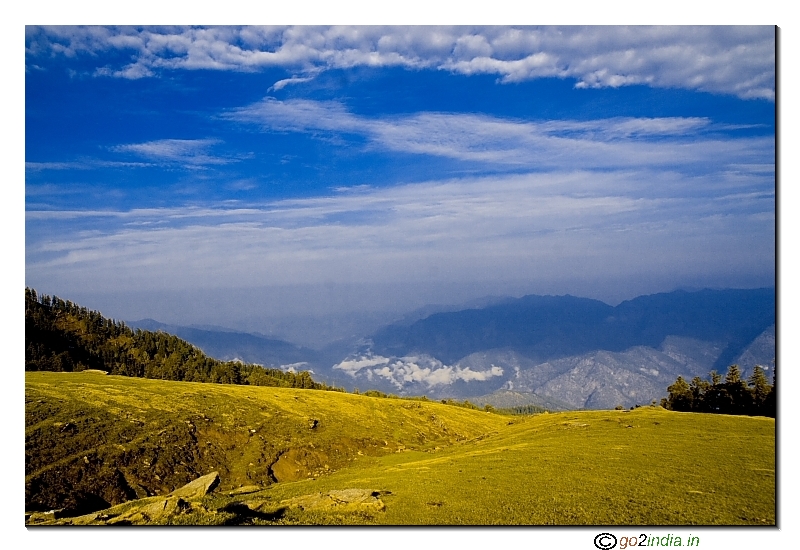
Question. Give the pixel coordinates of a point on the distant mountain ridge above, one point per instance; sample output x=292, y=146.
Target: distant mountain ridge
x=572, y=350
x=546, y=327
x=530, y=323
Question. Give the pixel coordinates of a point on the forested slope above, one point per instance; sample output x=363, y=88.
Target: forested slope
x=63, y=336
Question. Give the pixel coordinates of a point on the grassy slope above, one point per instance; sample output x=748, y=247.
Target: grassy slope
x=148, y=437
x=648, y=466
x=583, y=468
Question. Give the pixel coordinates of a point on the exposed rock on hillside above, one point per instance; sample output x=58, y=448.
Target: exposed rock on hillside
x=344, y=500
x=145, y=511
x=760, y=352
x=602, y=380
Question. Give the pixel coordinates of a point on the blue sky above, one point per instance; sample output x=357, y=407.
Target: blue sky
x=234, y=175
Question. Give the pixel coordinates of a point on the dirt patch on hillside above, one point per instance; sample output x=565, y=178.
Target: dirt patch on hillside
x=297, y=464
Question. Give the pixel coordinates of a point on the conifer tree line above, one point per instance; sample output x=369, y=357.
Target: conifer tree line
x=63, y=336
x=729, y=395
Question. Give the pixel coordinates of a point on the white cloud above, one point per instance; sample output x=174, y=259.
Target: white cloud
x=83, y=164
x=544, y=228
x=468, y=374
x=299, y=115
x=281, y=84
x=599, y=143
x=296, y=367
x=352, y=366
x=242, y=185
x=71, y=165
x=402, y=371
x=188, y=152
x=719, y=59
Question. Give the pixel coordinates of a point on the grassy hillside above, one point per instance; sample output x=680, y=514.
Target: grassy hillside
x=93, y=438
x=612, y=468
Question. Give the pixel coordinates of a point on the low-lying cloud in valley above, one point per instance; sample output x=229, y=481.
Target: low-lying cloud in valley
x=404, y=371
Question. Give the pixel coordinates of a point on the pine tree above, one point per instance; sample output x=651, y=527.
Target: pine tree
x=740, y=397
x=759, y=390
x=717, y=399
x=699, y=389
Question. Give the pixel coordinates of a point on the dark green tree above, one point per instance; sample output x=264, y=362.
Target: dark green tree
x=717, y=399
x=759, y=390
x=699, y=389
x=680, y=396
x=731, y=396
x=740, y=400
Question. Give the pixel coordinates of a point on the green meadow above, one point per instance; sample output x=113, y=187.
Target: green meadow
x=94, y=441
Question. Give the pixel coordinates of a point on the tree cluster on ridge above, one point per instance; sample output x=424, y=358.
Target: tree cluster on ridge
x=63, y=336
x=729, y=395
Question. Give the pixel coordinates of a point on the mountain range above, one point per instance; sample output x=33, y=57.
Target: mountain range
x=554, y=351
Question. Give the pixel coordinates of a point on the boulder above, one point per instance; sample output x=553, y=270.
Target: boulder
x=198, y=488
x=145, y=511
x=152, y=513
x=343, y=500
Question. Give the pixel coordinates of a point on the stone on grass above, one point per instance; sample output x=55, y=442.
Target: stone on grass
x=344, y=500
x=198, y=488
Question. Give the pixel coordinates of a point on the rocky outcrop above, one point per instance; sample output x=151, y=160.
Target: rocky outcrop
x=145, y=511
x=342, y=500
x=198, y=488
x=185, y=506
